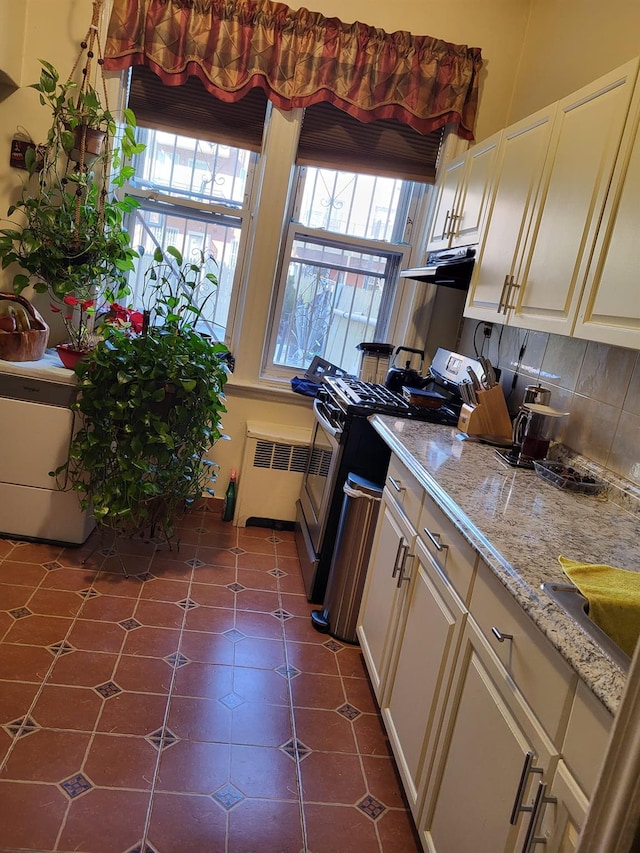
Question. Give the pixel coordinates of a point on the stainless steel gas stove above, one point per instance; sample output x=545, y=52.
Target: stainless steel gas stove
x=343, y=443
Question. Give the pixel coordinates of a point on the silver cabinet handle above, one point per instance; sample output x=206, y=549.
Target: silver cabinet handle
x=396, y=563
x=397, y=484
x=452, y=226
x=527, y=769
x=401, y=575
x=531, y=839
x=500, y=637
x=435, y=538
x=502, y=292
x=445, y=231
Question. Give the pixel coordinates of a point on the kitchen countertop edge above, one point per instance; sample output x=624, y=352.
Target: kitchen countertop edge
x=592, y=664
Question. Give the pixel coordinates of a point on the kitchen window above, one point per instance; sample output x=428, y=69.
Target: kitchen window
x=195, y=183
x=346, y=241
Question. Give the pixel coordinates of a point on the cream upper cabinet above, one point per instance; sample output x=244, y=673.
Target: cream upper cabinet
x=553, y=175
x=585, y=139
x=448, y=191
x=610, y=307
x=519, y=166
x=463, y=194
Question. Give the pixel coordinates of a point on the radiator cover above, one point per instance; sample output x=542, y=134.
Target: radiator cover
x=273, y=464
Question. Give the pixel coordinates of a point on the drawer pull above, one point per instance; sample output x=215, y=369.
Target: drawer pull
x=435, y=538
x=522, y=784
x=397, y=484
x=531, y=839
x=396, y=562
x=401, y=575
x=500, y=637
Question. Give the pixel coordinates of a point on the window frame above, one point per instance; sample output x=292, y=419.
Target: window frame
x=399, y=252
x=152, y=198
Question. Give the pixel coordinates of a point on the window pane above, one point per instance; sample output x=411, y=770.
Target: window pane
x=192, y=168
x=363, y=206
x=331, y=303
x=218, y=237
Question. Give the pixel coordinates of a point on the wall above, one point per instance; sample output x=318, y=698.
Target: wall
x=568, y=44
x=599, y=385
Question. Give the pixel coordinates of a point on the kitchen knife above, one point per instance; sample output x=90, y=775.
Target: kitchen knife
x=475, y=382
x=489, y=372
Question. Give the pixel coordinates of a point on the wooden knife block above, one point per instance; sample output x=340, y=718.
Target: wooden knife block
x=489, y=417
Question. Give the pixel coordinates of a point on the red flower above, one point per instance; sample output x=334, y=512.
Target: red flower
x=54, y=308
x=69, y=299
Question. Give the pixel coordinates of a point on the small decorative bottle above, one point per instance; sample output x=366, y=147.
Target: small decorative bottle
x=229, y=505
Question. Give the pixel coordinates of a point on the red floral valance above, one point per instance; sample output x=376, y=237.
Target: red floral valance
x=299, y=58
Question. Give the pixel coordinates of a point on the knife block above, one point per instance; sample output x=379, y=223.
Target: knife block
x=489, y=417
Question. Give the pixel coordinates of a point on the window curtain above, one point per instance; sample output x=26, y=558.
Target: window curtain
x=298, y=58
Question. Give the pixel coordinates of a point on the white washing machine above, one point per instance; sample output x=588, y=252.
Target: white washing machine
x=36, y=426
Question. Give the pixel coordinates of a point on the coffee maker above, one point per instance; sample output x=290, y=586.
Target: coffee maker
x=533, y=429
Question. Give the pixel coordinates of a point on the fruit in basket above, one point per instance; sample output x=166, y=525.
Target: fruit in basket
x=7, y=324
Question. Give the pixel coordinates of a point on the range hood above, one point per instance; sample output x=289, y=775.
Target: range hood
x=446, y=268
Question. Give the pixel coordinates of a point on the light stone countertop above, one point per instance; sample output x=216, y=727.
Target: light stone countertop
x=520, y=525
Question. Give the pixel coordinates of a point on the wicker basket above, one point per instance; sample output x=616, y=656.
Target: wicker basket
x=24, y=346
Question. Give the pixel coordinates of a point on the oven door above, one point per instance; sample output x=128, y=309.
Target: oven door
x=319, y=479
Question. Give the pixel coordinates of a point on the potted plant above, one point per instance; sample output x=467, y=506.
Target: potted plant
x=67, y=234
x=150, y=403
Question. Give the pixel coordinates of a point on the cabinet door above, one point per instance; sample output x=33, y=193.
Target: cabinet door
x=561, y=821
x=420, y=676
x=488, y=762
x=473, y=198
x=390, y=564
x=584, y=144
x=442, y=228
x=520, y=162
x=610, y=307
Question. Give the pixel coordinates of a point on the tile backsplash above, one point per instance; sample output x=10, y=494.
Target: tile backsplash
x=598, y=384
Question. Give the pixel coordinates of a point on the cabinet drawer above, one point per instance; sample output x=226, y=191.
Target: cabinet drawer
x=587, y=737
x=541, y=674
x=450, y=551
x=405, y=491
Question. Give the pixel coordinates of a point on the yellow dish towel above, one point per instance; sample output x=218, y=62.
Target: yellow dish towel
x=614, y=599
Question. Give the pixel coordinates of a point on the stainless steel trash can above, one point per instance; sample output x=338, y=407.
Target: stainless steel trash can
x=358, y=517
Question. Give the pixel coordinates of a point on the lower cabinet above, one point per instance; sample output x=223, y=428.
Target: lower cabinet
x=420, y=676
x=497, y=741
x=389, y=570
x=492, y=755
x=563, y=814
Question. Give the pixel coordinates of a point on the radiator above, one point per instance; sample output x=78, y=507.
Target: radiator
x=273, y=464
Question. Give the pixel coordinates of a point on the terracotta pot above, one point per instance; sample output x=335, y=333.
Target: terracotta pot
x=93, y=139
x=70, y=356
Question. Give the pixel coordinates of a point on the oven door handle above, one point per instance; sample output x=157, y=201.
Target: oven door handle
x=336, y=432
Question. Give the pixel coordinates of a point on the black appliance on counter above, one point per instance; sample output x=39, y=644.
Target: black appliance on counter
x=343, y=443
x=446, y=267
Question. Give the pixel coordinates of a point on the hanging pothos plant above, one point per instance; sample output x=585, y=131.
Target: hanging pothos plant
x=151, y=405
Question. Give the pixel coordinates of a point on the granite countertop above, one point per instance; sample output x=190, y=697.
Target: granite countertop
x=520, y=525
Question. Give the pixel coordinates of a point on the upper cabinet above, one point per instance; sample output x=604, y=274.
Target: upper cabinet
x=610, y=307
x=552, y=184
x=462, y=196
x=520, y=162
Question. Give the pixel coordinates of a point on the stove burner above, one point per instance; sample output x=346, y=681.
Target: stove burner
x=361, y=397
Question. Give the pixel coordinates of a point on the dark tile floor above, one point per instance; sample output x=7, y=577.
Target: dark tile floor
x=188, y=708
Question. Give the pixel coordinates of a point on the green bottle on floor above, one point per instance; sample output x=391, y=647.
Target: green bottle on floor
x=229, y=505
